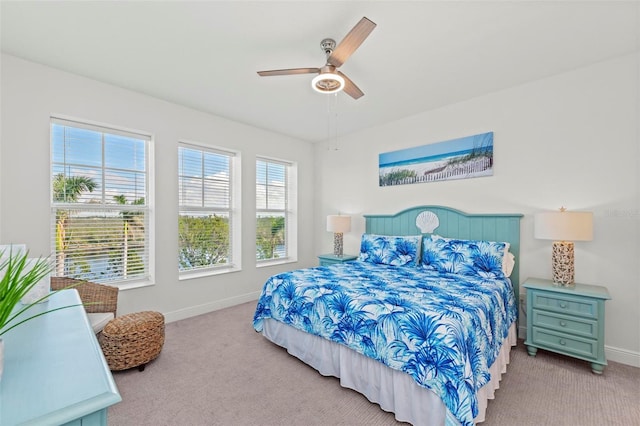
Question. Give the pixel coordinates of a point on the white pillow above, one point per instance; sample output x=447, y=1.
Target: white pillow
x=98, y=320
x=508, y=263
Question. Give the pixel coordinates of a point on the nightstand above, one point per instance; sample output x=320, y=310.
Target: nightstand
x=330, y=259
x=566, y=320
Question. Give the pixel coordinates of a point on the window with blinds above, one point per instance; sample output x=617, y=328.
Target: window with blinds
x=273, y=210
x=206, y=205
x=100, y=202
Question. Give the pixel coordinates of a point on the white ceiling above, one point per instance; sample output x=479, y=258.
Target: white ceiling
x=422, y=55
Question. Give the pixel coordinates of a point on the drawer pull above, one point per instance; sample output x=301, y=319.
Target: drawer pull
x=563, y=342
x=563, y=305
x=563, y=323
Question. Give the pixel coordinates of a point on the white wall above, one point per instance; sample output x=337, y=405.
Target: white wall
x=31, y=93
x=570, y=140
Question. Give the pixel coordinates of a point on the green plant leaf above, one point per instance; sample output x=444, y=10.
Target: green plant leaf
x=19, y=277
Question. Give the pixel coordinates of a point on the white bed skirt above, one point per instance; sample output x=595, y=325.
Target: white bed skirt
x=393, y=390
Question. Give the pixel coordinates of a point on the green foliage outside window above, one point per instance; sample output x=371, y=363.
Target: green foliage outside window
x=203, y=241
x=270, y=237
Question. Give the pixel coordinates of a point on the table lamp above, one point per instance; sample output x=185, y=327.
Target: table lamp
x=563, y=227
x=338, y=224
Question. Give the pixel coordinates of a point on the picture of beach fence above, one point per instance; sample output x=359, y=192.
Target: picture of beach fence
x=462, y=158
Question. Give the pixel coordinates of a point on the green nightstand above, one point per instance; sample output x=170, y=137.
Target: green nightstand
x=566, y=320
x=330, y=259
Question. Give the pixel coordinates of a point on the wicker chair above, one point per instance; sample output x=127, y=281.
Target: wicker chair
x=127, y=341
x=97, y=298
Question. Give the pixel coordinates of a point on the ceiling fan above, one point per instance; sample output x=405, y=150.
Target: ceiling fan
x=329, y=79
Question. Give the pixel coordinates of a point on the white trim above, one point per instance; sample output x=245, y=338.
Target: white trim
x=148, y=139
x=151, y=204
x=290, y=210
x=104, y=127
x=124, y=285
x=206, y=272
x=216, y=149
x=205, y=308
x=271, y=262
x=623, y=356
x=274, y=160
x=234, y=211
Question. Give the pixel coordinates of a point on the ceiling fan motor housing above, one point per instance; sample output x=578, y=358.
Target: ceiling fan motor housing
x=328, y=45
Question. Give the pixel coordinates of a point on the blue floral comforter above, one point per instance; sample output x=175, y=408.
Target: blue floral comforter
x=444, y=330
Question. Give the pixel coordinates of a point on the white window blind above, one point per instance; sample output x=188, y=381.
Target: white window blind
x=272, y=209
x=100, y=202
x=206, y=204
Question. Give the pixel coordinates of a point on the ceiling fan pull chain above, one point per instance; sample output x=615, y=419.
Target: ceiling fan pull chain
x=335, y=113
x=329, y=126
x=332, y=122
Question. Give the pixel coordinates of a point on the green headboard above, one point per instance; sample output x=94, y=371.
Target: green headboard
x=455, y=224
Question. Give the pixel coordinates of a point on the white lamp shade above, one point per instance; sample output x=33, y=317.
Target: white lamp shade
x=338, y=223
x=564, y=226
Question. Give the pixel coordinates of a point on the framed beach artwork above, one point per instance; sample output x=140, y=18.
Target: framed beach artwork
x=462, y=158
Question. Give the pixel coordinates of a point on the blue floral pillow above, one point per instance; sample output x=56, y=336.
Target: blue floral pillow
x=464, y=257
x=390, y=250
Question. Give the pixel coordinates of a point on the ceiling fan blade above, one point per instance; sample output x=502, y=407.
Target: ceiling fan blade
x=350, y=87
x=351, y=42
x=289, y=71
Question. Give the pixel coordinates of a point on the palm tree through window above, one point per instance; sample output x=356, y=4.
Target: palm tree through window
x=99, y=203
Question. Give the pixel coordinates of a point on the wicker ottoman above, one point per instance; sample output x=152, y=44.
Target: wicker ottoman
x=132, y=340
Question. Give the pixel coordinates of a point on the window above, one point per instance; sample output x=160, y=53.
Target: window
x=275, y=211
x=206, y=184
x=100, y=202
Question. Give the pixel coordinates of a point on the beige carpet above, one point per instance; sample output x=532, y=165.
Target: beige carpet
x=216, y=370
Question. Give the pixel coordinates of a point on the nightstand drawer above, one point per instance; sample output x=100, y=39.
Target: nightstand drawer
x=564, y=343
x=562, y=303
x=566, y=324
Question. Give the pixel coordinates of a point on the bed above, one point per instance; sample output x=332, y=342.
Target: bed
x=421, y=324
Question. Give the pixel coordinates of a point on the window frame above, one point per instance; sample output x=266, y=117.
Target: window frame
x=148, y=277
x=290, y=211
x=234, y=211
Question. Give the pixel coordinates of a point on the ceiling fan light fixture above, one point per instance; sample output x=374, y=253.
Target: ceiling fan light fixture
x=327, y=82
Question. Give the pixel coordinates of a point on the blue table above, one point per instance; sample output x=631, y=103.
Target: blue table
x=54, y=370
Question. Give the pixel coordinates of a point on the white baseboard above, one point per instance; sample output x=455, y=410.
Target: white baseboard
x=623, y=356
x=205, y=308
